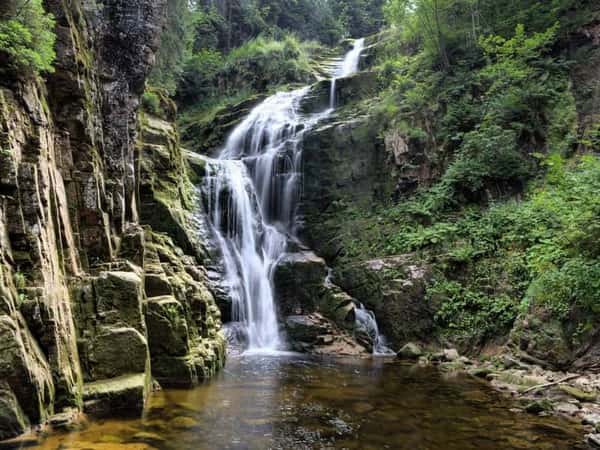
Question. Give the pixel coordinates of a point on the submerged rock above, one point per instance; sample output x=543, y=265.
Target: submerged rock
x=410, y=351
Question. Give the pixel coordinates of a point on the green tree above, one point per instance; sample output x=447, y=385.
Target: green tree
x=26, y=37
x=176, y=39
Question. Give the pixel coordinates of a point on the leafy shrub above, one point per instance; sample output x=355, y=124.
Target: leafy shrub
x=575, y=284
x=466, y=313
x=27, y=37
x=151, y=102
x=256, y=66
x=488, y=154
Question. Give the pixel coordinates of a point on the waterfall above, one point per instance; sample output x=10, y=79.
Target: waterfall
x=366, y=322
x=252, y=191
x=349, y=66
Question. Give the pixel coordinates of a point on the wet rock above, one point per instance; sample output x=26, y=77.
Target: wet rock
x=314, y=333
x=579, y=394
x=13, y=421
x=108, y=349
x=64, y=420
x=122, y=396
x=299, y=281
x=510, y=363
x=568, y=409
x=594, y=440
x=451, y=354
x=151, y=438
x=394, y=289
x=306, y=329
x=481, y=372
x=182, y=422
x=410, y=351
x=539, y=406
x=591, y=419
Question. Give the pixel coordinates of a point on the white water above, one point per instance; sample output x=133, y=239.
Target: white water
x=365, y=321
x=349, y=66
x=253, y=190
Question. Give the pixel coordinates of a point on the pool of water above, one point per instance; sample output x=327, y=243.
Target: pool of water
x=293, y=402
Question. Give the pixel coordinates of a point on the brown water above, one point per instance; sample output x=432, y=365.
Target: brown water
x=299, y=403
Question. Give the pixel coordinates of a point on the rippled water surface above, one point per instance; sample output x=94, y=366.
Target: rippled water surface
x=294, y=402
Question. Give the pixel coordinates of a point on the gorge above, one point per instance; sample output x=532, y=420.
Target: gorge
x=308, y=224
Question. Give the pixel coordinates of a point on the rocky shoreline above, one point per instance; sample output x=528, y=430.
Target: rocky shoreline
x=535, y=390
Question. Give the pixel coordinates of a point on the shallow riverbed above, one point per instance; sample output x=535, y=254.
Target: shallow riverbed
x=286, y=402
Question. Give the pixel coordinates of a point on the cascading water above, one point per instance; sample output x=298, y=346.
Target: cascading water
x=366, y=322
x=252, y=193
x=252, y=189
x=349, y=65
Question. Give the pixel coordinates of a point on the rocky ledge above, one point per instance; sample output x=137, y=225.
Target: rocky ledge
x=574, y=396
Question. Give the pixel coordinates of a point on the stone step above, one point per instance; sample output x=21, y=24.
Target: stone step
x=121, y=396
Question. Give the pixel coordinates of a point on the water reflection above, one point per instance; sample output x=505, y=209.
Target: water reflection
x=286, y=402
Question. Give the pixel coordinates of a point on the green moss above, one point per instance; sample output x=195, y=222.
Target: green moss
x=579, y=394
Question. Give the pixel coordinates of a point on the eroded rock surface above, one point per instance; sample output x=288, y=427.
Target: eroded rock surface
x=87, y=186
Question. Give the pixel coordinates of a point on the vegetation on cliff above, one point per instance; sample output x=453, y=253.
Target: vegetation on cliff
x=493, y=103
x=499, y=111
x=26, y=37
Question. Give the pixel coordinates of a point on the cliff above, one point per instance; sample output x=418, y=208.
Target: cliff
x=102, y=286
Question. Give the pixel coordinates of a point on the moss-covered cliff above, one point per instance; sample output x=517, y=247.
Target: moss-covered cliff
x=102, y=286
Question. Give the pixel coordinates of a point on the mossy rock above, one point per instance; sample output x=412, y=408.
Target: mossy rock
x=13, y=421
x=122, y=396
x=539, y=406
x=107, y=349
x=578, y=394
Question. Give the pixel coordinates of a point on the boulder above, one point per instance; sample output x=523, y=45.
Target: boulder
x=121, y=396
x=410, y=351
x=118, y=351
x=594, y=440
x=306, y=329
x=167, y=327
x=451, y=354
x=302, y=286
x=394, y=289
x=169, y=342
x=119, y=299
x=568, y=409
x=316, y=334
x=541, y=337
x=13, y=421
x=299, y=282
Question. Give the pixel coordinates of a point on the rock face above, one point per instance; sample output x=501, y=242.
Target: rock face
x=99, y=255
x=394, y=288
x=345, y=162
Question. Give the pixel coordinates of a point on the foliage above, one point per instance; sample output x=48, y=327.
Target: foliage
x=151, y=102
x=256, y=66
x=174, y=47
x=466, y=314
x=26, y=36
x=492, y=263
